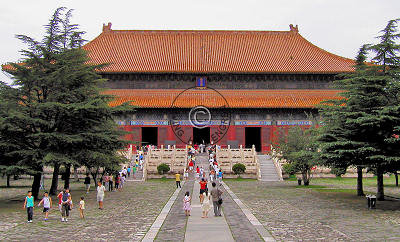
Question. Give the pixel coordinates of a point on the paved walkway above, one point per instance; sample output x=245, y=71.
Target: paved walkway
x=205, y=229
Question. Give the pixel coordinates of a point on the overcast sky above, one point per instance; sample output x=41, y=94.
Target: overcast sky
x=339, y=26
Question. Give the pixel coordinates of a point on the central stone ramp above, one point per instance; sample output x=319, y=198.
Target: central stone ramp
x=205, y=229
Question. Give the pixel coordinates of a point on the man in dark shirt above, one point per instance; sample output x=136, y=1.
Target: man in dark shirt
x=87, y=183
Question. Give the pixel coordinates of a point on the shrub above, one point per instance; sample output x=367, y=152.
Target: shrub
x=163, y=168
x=289, y=169
x=238, y=168
x=338, y=171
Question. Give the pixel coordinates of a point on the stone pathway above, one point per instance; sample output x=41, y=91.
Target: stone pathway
x=293, y=214
x=127, y=215
x=205, y=229
x=249, y=229
x=173, y=228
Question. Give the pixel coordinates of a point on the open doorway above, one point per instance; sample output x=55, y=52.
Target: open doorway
x=200, y=135
x=253, y=137
x=150, y=136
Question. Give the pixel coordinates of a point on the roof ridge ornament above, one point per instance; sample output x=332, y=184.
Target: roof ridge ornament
x=294, y=28
x=107, y=28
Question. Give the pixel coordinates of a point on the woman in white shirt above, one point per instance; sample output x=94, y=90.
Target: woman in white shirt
x=100, y=194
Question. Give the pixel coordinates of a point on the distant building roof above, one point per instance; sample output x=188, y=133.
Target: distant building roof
x=174, y=98
x=209, y=51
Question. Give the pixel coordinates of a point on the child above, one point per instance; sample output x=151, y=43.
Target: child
x=47, y=204
x=186, y=204
x=29, y=204
x=82, y=207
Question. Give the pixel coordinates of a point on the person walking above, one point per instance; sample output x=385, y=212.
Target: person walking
x=87, y=183
x=65, y=205
x=47, y=204
x=100, y=194
x=111, y=180
x=206, y=205
x=117, y=181
x=107, y=182
x=216, y=198
x=129, y=171
x=186, y=204
x=203, y=185
x=28, y=205
x=178, y=180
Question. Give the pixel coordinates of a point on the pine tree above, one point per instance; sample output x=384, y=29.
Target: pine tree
x=361, y=126
x=60, y=113
x=339, y=140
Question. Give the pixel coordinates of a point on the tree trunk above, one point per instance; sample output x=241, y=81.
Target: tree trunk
x=360, y=190
x=76, y=177
x=8, y=180
x=94, y=175
x=397, y=178
x=54, y=179
x=36, y=185
x=380, y=195
x=67, y=175
x=306, y=179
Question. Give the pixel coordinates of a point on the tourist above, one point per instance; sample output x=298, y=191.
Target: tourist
x=201, y=172
x=206, y=205
x=186, y=204
x=117, y=181
x=197, y=173
x=121, y=185
x=185, y=174
x=178, y=180
x=47, y=204
x=212, y=173
x=129, y=171
x=124, y=171
x=59, y=196
x=134, y=171
x=107, y=181
x=87, y=183
x=100, y=194
x=191, y=165
x=111, y=181
x=65, y=205
x=220, y=176
x=203, y=184
x=28, y=205
x=217, y=200
x=82, y=207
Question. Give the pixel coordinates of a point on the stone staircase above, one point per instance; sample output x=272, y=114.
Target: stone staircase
x=267, y=168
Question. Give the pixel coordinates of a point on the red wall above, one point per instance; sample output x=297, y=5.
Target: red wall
x=268, y=134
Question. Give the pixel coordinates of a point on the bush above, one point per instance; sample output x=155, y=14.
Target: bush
x=163, y=168
x=338, y=171
x=238, y=168
x=289, y=169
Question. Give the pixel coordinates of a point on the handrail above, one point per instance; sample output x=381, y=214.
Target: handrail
x=276, y=160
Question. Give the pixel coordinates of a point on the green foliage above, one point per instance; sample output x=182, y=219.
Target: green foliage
x=239, y=169
x=338, y=171
x=289, y=169
x=163, y=168
x=299, y=148
x=56, y=113
x=360, y=128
